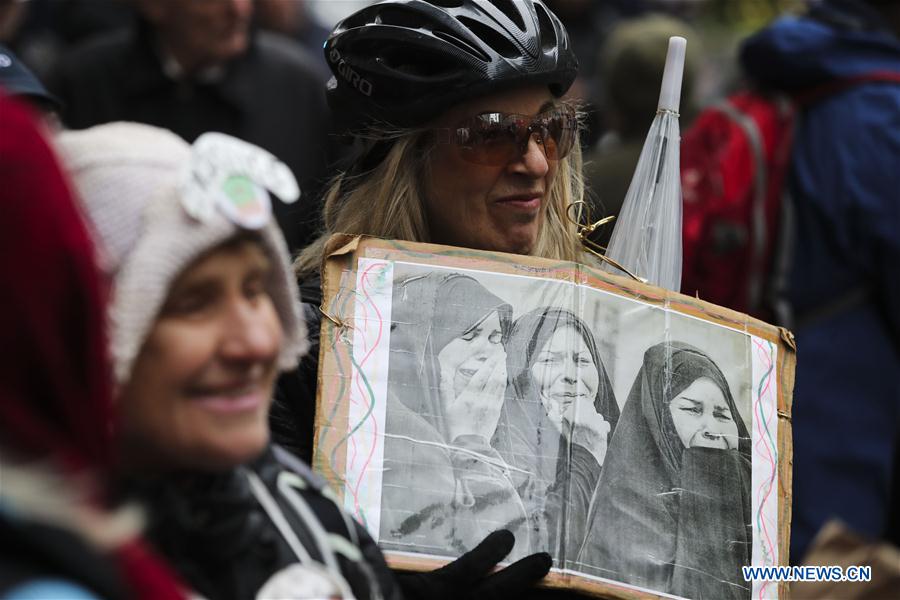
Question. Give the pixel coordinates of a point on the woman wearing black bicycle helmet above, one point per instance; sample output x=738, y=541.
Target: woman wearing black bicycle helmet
x=460, y=139
x=460, y=136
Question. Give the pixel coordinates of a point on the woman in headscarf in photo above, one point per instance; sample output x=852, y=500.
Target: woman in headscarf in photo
x=559, y=413
x=447, y=380
x=672, y=510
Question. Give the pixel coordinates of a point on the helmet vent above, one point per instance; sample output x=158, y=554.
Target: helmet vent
x=547, y=31
x=509, y=9
x=422, y=63
x=491, y=38
x=400, y=17
x=448, y=3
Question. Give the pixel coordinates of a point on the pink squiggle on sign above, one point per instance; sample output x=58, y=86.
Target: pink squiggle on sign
x=365, y=321
x=352, y=452
x=364, y=283
x=766, y=357
x=353, y=400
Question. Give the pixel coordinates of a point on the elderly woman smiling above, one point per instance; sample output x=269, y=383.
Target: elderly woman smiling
x=558, y=416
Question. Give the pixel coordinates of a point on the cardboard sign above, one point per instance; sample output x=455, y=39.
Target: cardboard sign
x=639, y=436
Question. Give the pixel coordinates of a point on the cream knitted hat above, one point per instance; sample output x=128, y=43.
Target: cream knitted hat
x=156, y=204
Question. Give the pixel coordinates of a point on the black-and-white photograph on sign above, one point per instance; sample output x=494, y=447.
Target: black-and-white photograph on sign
x=614, y=434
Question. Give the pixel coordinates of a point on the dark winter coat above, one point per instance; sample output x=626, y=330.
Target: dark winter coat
x=271, y=96
x=220, y=536
x=845, y=279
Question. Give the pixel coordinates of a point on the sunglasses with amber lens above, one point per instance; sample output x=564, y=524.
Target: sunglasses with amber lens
x=496, y=138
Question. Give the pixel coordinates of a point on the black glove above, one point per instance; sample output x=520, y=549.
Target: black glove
x=469, y=576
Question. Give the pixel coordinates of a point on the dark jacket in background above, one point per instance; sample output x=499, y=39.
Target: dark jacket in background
x=293, y=410
x=271, y=96
x=845, y=279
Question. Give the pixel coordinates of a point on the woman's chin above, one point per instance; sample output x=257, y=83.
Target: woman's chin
x=236, y=451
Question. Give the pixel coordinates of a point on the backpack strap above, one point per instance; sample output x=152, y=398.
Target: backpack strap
x=292, y=480
x=812, y=95
x=759, y=235
x=782, y=260
x=852, y=298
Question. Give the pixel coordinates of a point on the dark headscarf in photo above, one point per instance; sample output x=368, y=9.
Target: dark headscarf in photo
x=440, y=495
x=665, y=517
x=530, y=433
x=429, y=312
x=528, y=439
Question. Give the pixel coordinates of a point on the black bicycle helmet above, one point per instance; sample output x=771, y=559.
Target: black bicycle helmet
x=404, y=62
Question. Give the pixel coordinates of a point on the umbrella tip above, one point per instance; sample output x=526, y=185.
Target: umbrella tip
x=670, y=92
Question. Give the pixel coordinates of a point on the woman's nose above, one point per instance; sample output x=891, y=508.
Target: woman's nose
x=570, y=372
x=533, y=161
x=712, y=430
x=479, y=347
x=714, y=425
x=250, y=333
x=707, y=425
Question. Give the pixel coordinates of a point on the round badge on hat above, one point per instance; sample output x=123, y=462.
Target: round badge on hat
x=5, y=61
x=244, y=202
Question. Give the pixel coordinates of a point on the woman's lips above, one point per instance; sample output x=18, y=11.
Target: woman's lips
x=529, y=202
x=566, y=400
x=570, y=396
x=236, y=400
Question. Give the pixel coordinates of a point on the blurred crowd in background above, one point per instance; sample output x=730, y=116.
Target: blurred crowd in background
x=256, y=70
x=620, y=45
x=42, y=31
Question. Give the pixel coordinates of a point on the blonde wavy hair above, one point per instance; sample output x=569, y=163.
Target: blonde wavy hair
x=388, y=201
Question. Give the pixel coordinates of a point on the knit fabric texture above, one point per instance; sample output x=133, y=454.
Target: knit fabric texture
x=129, y=178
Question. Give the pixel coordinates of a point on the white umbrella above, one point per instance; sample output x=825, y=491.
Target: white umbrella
x=647, y=237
